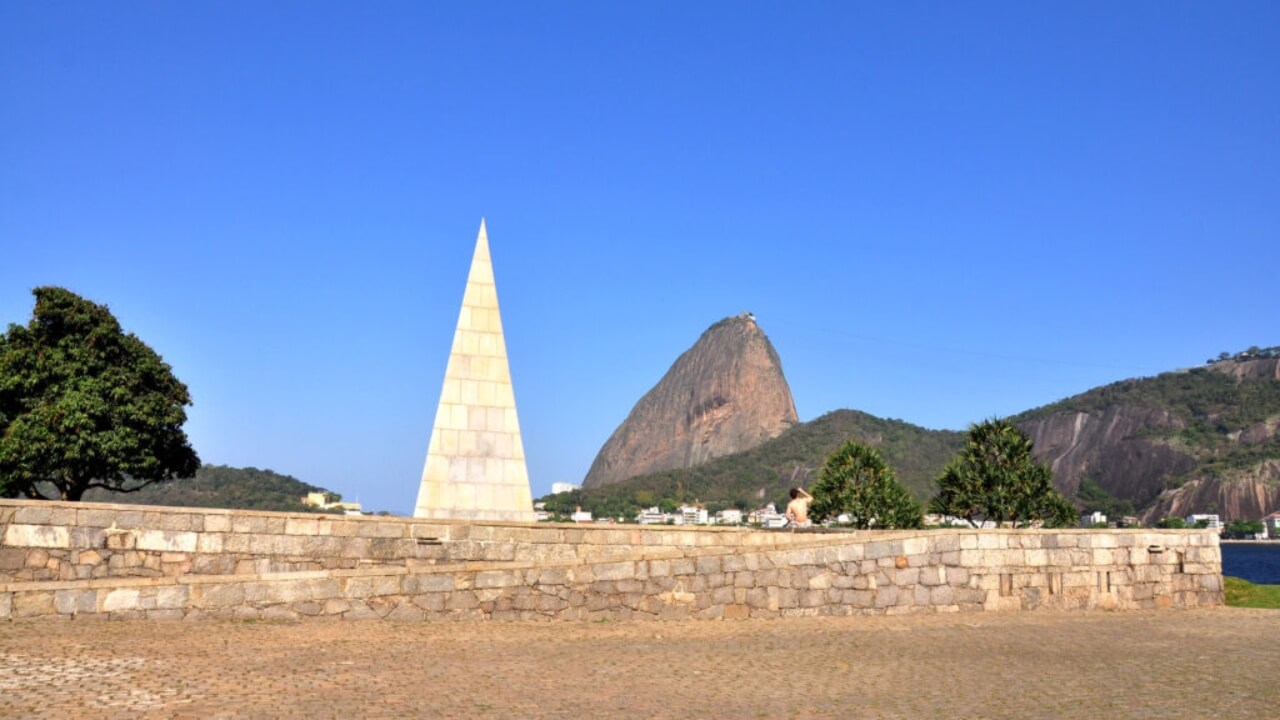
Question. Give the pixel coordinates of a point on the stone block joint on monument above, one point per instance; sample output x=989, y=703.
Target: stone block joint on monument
x=475, y=468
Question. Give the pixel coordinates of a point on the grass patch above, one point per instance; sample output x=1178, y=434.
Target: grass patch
x=1242, y=593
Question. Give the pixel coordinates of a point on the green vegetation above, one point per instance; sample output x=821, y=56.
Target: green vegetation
x=85, y=405
x=856, y=480
x=1171, y=523
x=995, y=478
x=1242, y=593
x=218, y=486
x=1091, y=497
x=1239, y=529
x=764, y=474
x=1252, y=353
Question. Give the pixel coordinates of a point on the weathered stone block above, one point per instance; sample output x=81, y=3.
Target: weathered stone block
x=462, y=600
x=495, y=579
x=33, y=515
x=209, y=542
x=173, y=596
x=6, y=605
x=615, y=571
x=886, y=596
x=360, y=611
x=882, y=549
x=166, y=540
x=227, y=595
x=12, y=559
x=185, y=522
x=120, y=599
x=72, y=602
x=36, y=536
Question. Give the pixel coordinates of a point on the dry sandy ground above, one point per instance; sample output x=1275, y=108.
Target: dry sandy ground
x=1168, y=664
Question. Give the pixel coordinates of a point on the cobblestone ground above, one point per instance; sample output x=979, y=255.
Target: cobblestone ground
x=1170, y=664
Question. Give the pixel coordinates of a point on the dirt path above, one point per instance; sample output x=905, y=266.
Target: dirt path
x=1169, y=664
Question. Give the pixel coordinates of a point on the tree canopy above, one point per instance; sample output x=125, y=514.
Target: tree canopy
x=85, y=405
x=857, y=481
x=995, y=478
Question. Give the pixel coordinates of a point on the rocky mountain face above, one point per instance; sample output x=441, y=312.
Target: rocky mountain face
x=1110, y=446
x=1260, y=369
x=724, y=395
x=1204, y=440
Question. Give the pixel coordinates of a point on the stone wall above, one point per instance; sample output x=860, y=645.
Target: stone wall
x=80, y=541
x=90, y=561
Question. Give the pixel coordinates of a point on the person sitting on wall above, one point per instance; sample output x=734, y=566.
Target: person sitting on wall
x=798, y=508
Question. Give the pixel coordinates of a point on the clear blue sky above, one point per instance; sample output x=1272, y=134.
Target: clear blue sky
x=939, y=212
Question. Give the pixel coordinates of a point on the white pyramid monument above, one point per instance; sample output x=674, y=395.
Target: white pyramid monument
x=475, y=466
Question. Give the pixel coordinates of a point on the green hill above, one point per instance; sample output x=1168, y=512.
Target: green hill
x=764, y=474
x=219, y=486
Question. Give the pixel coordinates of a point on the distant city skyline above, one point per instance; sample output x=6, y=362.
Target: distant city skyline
x=937, y=213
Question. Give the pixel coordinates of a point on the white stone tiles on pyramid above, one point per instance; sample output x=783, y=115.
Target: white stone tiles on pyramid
x=475, y=467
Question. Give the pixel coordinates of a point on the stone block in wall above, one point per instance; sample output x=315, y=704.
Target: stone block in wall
x=180, y=521
x=209, y=542
x=355, y=547
x=33, y=515
x=31, y=604
x=495, y=579
x=38, y=536
x=12, y=558
x=73, y=602
x=434, y=582
x=248, y=525
x=371, y=586
x=217, y=523
x=166, y=540
x=118, y=599
x=992, y=541
x=302, y=526
x=217, y=595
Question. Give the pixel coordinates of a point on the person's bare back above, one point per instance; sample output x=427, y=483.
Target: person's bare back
x=798, y=508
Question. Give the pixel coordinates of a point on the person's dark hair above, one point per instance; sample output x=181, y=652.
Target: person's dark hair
x=795, y=493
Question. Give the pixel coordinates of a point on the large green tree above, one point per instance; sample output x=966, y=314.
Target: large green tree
x=995, y=478
x=856, y=480
x=84, y=404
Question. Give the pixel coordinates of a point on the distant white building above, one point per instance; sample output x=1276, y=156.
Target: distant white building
x=1271, y=524
x=731, y=516
x=652, y=516
x=692, y=515
x=581, y=516
x=1213, y=522
x=320, y=501
x=768, y=517
x=557, y=488
x=1093, y=518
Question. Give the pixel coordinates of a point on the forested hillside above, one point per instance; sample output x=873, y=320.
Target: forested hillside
x=219, y=486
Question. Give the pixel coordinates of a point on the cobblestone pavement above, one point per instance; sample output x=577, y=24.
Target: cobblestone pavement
x=1167, y=664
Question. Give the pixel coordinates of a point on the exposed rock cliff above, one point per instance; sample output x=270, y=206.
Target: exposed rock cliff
x=1251, y=495
x=1112, y=447
x=1204, y=440
x=1260, y=369
x=724, y=395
